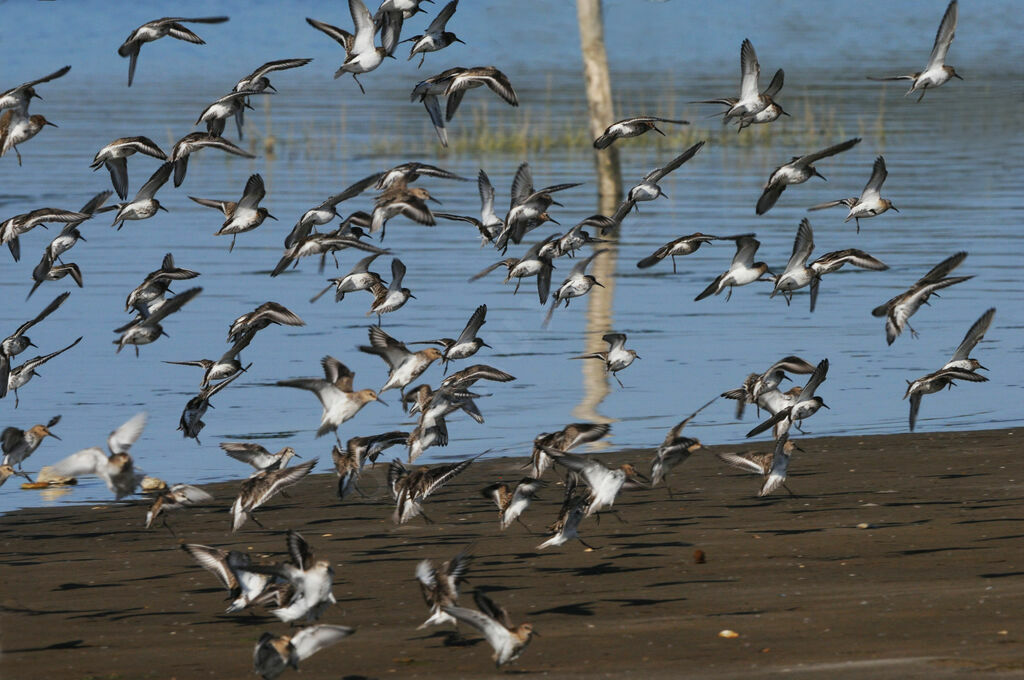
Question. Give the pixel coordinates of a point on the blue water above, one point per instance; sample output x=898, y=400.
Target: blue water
x=955, y=163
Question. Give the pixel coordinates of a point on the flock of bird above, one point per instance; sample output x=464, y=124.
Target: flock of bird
x=298, y=590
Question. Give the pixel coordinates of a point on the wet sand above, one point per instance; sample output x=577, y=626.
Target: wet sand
x=932, y=587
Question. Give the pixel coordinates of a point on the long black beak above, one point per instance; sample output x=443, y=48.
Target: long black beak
x=36, y=94
x=598, y=283
x=272, y=89
x=826, y=406
x=892, y=207
x=557, y=203
x=272, y=217
x=818, y=174
x=955, y=75
x=435, y=200
x=785, y=377
x=160, y=207
x=49, y=123
x=54, y=436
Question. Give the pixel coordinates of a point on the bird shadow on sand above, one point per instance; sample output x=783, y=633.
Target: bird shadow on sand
x=67, y=644
x=576, y=609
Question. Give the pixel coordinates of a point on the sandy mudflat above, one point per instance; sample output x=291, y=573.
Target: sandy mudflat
x=934, y=587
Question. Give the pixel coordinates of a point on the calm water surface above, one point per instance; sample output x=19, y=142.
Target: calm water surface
x=955, y=163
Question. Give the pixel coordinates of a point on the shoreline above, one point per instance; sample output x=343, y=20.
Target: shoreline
x=929, y=588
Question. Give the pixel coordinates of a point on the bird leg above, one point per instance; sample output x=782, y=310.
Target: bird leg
x=525, y=526
x=425, y=518
x=256, y=521
x=168, y=526
x=913, y=333
x=358, y=83
x=729, y=294
x=673, y=264
x=585, y=544
x=618, y=381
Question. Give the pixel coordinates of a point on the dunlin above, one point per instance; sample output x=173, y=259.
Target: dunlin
x=18, y=444
x=158, y=28
x=263, y=485
x=440, y=586
x=117, y=470
x=493, y=621
x=936, y=72
x=275, y=653
x=898, y=310
x=797, y=171
x=616, y=358
x=335, y=393
x=115, y=157
x=632, y=127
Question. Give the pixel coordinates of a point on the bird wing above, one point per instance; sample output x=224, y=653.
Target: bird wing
x=674, y=433
x=769, y=197
x=495, y=633
x=830, y=151
x=942, y=269
x=746, y=247
x=300, y=552
x=57, y=74
x=487, y=214
x=944, y=36
x=364, y=27
x=803, y=244
x=791, y=364
x=522, y=185
x=544, y=281
x=915, y=406
x=674, y=163
x=226, y=207
x=439, y=22
x=156, y=180
x=312, y=639
x=214, y=560
x=741, y=463
x=393, y=351
x=442, y=474
x=974, y=335
x=776, y=84
x=473, y=325
x=433, y=106
x=190, y=495
x=873, y=189
x=245, y=452
x=778, y=417
x=818, y=377
x=283, y=478
x=49, y=309
x=831, y=204
x=580, y=267
x=85, y=462
x=750, y=70
x=324, y=391
x=397, y=274
x=343, y=37
x=121, y=439
x=337, y=371
x=616, y=341
x=172, y=305
x=253, y=193
x=278, y=65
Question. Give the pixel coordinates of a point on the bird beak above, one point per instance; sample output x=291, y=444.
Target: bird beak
x=637, y=356
x=160, y=207
x=435, y=200
x=663, y=194
x=413, y=296
x=783, y=112
x=82, y=238
x=484, y=344
x=892, y=207
x=49, y=123
x=826, y=406
x=275, y=219
x=271, y=87
x=552, y=220
x=818, y=174
x=982, y=367
x=53, y=435
x=785, y=377
x=382, y=401
x=557, y=203
x=32, y=344
x=460, y=41
x=36, y=95
x=249, y=106
x=598, y=283
x=391, y=56
x=955, y=75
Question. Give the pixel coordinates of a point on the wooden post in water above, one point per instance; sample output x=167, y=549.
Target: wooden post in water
x=609, y=186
